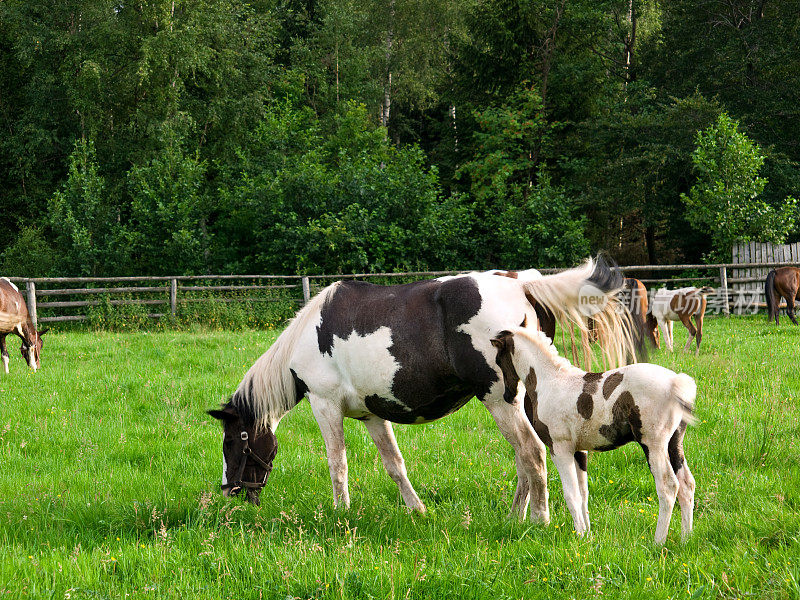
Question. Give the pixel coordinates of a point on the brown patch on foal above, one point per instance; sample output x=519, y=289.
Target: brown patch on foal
x=626, y=422
x=591, y=380
x=510, y=274
x=532, y=410
x=611, y=383
x=585, y=405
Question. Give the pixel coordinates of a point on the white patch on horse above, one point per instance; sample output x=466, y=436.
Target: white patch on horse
x=5, y=363
x=224, y=470
x=366, y=368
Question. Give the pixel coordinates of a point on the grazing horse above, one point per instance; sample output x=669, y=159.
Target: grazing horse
x=679, y=305
x=782, y=283
x=635, y=295
x=14, y=318
x=408, y=353
x=573, y=411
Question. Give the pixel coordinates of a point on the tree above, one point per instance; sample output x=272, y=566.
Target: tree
x=89, y=238
x=726, y=197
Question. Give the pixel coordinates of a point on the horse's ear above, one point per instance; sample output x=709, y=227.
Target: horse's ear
x=226, y=414
x=501, y=341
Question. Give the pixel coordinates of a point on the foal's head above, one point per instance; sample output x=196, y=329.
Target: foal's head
x=31, y=349
x=247, y=453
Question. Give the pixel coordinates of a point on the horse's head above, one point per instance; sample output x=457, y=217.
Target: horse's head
x=247, y=453
x=31, y=348
x=651, y=330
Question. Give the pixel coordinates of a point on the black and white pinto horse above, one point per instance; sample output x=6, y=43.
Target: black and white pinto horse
x=411, y=353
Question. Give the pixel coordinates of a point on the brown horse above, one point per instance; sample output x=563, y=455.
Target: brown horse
x=635, y=295
x=14, y=318
x=782, y=283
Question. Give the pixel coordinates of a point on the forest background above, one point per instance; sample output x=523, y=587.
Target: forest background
x=336, y=136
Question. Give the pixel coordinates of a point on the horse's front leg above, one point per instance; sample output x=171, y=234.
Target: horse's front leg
x=331, y=423
x=4, y=352
x=522, y=495
x=530, y=452
x=382, y=434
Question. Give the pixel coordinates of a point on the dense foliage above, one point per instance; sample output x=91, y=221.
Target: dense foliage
x=171, y=136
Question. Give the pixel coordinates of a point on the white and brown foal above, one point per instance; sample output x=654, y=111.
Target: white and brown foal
x=14, y=318
x=681, y=305
x=573, y=411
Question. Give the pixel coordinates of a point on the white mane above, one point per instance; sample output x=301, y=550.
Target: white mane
x=268, y=389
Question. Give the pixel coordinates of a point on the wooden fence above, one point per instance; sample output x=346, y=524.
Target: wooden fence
x=759, y=252
x=168, y=294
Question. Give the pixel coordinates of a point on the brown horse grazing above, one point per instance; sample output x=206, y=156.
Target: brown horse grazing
x=635, y=297
x=14, y=318
x=782, y=283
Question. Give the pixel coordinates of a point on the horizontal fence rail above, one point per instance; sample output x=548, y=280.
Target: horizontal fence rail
x=44, y=295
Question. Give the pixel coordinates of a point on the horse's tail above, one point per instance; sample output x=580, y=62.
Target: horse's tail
x=268, y=390
x=684, y=392
x=772, y=297
x=589, y=290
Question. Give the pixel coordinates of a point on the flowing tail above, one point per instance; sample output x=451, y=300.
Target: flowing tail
x=589, y=290
x=772, y=297
x=684, y=392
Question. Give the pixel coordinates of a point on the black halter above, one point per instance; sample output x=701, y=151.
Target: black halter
x=238, y=484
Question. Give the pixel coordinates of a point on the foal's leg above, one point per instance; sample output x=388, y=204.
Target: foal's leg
x=530, y=452
x=4, y=351
x=564, y=457
x=687, y=321
x=331, y=423
x=383, y=436
x=666, y=486
x=685, y=480
x=581, y=466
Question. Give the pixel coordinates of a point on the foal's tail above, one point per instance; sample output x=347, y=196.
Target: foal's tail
x=772, y=297
x=684, y=392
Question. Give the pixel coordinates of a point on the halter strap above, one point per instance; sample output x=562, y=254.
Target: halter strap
x=238, y=483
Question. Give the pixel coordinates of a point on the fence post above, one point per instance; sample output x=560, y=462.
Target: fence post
x=173, y=296
x=31, y=301
x=723, y=282
x=306, y=291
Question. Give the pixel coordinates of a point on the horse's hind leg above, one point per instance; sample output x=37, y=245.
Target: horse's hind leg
x=530, y=452
x=666, y=487
x=331, y=424
x=687, y=321
x=790, y=300
x=685, y=479
x=383, y=436
x=4, y=352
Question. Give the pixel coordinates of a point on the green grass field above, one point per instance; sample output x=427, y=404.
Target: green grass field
x=109, y=474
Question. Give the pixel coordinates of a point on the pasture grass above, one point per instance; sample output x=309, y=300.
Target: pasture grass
x=110, y=470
